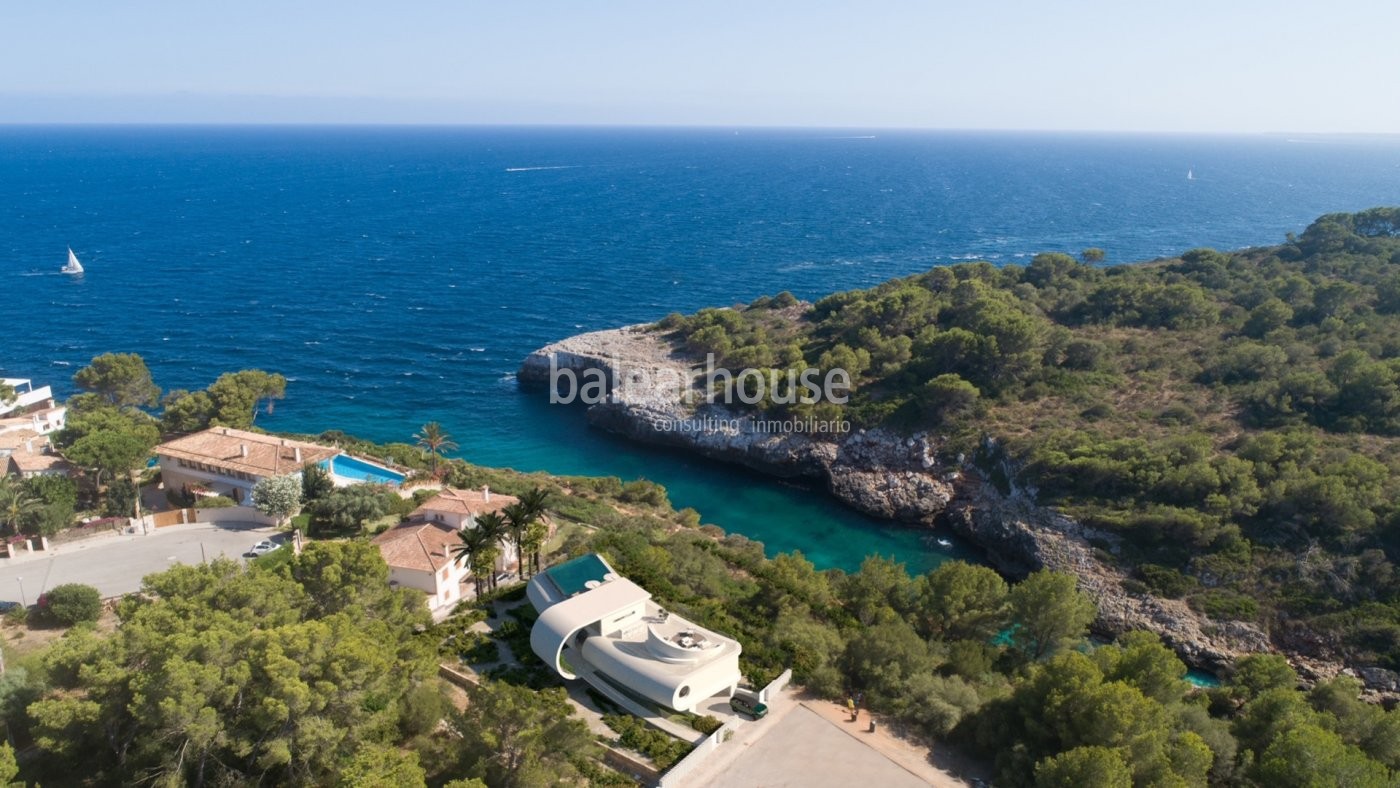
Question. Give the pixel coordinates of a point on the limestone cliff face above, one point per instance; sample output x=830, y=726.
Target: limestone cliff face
x=887, y=475
x=877, y=472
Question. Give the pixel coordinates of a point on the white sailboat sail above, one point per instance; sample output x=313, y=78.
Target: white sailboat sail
x=73, y=266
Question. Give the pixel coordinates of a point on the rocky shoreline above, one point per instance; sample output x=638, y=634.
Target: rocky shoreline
x=900, y=478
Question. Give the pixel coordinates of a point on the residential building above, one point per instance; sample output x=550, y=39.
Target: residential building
x=459, y=510
x=419, y=555
x=227, y=461
x=32, y=456
x=602, y=627
x=419, y=551
x=32, y=411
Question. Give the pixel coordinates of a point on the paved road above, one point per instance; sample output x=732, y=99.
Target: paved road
x=115, y=564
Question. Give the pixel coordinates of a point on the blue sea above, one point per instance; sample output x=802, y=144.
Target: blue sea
x=398, y=275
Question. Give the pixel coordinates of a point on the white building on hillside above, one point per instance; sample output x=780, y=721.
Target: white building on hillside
x=419, y=555
x=226, y=461
x=460, y=508
x=26, y=420
x=31, y=411
x=419, y=551
x=603, y=627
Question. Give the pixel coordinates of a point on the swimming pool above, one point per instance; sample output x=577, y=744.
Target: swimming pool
x=572, y=577
x=347, y=467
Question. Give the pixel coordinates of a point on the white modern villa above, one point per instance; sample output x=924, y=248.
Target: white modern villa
x=603, y=627
x=25, y=423
x=31, y=409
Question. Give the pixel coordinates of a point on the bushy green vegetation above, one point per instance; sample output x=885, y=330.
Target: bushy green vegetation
x=1005, y=670
x=1232, y=418
x=70, y=604
x=313, y=670
x=634, y=734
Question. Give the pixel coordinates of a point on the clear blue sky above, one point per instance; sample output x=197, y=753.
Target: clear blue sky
x=1187, y=65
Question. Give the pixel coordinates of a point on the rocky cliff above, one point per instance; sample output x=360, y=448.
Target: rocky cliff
x=645, y=384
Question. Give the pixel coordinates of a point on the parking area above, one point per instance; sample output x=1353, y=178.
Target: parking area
x=805, y=742
x=115, y=564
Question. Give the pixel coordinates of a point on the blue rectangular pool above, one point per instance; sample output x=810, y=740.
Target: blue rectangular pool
x=348, y=467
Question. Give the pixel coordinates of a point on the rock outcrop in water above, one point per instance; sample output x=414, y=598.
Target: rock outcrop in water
x=887, y=475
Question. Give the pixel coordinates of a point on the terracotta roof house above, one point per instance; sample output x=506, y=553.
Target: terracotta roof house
x=616, y=637
x=419, y=555
x=460, y=508
x=229, y=461
x=34, y=457
x=457, y=507
x=418, y=551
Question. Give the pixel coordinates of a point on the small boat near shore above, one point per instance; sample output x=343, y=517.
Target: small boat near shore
x=72, y=266
x=941, y=542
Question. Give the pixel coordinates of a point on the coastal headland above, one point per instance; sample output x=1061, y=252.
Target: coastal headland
x=903, y=478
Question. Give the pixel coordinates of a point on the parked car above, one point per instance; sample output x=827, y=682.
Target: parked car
x=749, y=705
x=263, y=548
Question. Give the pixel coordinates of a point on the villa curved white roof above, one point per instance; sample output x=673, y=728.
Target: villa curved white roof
x=561, y=621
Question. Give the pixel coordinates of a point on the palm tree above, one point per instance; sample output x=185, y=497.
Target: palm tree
x=476, y=549
x=432, y=439
x=534, y=539
x=492, y=527
x=517, y=519
x=16, y=503
x=525, y=518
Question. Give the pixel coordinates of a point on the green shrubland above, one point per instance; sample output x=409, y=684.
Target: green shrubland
x=1233, y=419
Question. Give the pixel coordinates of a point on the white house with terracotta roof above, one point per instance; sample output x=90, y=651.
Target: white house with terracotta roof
x=460, y=508
x=32, y=456
x=419, y=551
x=419, y=555
x=597, y=625
x=26, y=421
x=227, y=461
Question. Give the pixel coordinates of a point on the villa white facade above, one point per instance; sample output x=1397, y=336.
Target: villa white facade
x=228, y=462
x=460, y=508
x=419, y=551
x=605, y=627
x=419, y=555
x=25, y=424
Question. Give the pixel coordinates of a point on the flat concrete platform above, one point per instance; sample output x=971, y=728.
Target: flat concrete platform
x=115, y=563
x=802, y=749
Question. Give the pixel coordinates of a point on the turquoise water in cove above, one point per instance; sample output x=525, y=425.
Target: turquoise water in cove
x=398, y=275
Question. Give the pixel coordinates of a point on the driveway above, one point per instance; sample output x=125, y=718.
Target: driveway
x=115, y=564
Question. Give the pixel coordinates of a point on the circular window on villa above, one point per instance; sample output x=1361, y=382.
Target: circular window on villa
x=684, y=692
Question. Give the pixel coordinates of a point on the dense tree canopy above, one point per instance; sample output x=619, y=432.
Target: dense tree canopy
x=1232, y=418
x=121, y=379
x=222, y=674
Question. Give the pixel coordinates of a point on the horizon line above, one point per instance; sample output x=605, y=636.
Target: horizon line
x=668, y=126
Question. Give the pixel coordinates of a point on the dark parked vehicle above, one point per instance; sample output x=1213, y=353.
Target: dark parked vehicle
x=749, y=705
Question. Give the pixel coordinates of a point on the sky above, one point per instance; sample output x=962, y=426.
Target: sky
x=1241, y=66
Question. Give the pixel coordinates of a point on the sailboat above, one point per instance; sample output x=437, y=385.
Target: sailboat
x=1190, y=175
x=73, y=266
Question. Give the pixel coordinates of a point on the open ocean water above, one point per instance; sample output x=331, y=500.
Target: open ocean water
x=399, y=275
